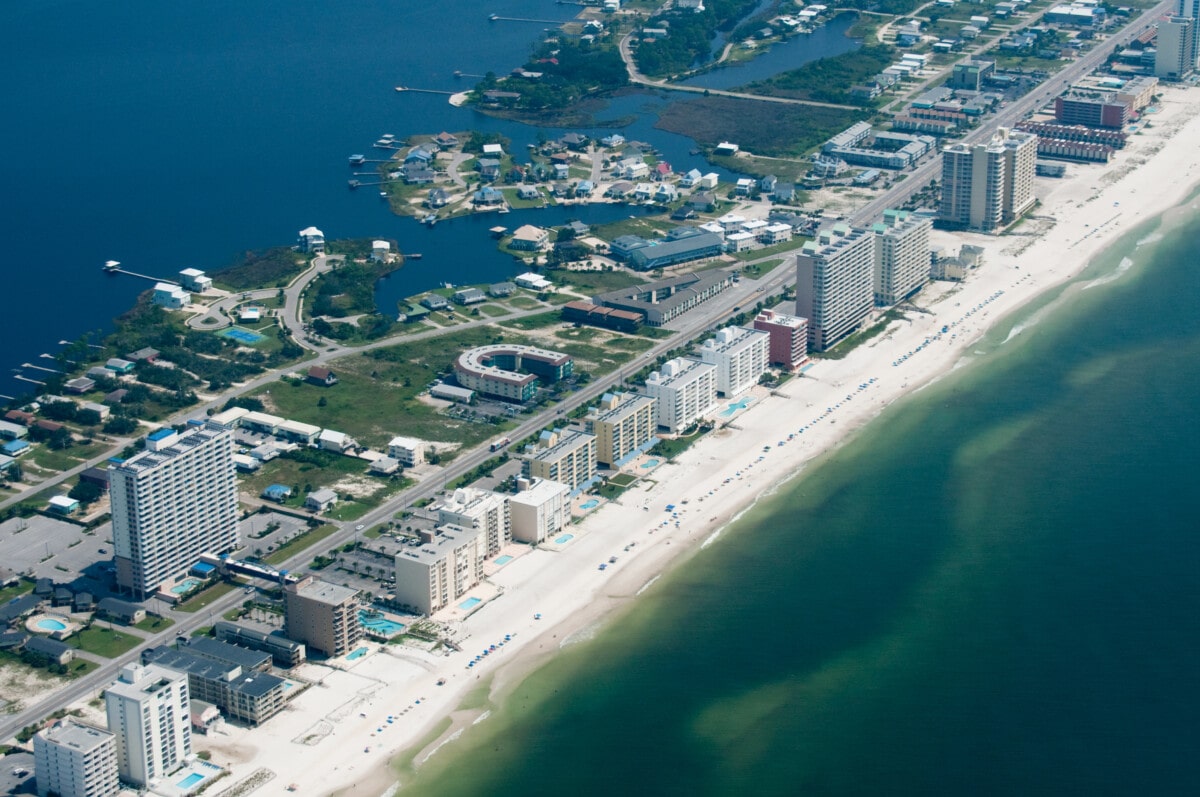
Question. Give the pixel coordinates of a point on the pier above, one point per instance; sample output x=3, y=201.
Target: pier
x=425, y=91
x=40, y=368
x=498, y=18
x=114, y=267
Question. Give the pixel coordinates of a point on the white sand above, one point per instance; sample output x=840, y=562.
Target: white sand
x=319, y=743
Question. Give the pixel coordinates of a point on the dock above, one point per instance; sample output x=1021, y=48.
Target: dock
x=425, y=91
x=498, y=18
x=114, y=267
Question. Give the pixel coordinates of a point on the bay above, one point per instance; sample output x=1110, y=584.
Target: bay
x=992, y=590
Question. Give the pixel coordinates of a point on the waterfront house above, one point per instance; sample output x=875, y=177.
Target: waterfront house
x=614, y=140
x=119, y=366
x=585, y=188
x=529, y=238
x=690, y=179
x=99, y=372
x=487, y=196
x=468, y=296
x=80, y=384
x=745, y=186
x=642, y=192
x=501, y=289
x=493, y=150
x=662, y=170
x=312, y=241
x=418, y=157
x=709, y=181
x=321, y=500
x=575, y=141
x=172, y=297
x=435, y=302
x=489, y=168
x=633, y=169
x=445, y=140
x=619, y=189
x=666, y=194
x=438, y=198
x=418, y=176
x=528, y=193
x=324, y=377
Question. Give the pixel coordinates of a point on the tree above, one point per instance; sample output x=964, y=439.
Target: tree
x=120, y=424
x=86, y=493
x=60, y=439
x=88, y=417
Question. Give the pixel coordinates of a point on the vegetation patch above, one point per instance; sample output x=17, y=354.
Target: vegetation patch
x=105, y=641
x=828, y=79
x=265, y=268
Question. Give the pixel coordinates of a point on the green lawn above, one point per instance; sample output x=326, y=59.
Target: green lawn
x=105, y=641
x=673, y=447
x=297, y=545
x=298, y=475
x=524, y=302
x=154, y=623
x=540, y=321
x=204, y=598
x=494, y=310
x=596, y=281
x=643, y=226
x=8, y=593
x=759, y=270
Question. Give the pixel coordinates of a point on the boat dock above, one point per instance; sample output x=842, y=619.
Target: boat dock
x=498, y=18
x=114, y=267
x=425, y=91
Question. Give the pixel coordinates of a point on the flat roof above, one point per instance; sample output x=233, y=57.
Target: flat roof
x=325, y=591
x=76, y=735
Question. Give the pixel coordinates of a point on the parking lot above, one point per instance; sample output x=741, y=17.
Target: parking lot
x=65, y=553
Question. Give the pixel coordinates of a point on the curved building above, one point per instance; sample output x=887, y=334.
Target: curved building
x=510, y=371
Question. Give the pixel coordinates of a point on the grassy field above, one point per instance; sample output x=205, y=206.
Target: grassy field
x=643, y=226
x=298, y=475
x=203, y=599
x=8, y=593
x=759, y=270
x=596, y=281
x=307, y=540
x=154, y=623
x=539, y=321
x=669, y=448
x=105, y=641
x=766, y=251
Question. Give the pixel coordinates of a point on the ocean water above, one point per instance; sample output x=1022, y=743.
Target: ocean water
x=992, y=590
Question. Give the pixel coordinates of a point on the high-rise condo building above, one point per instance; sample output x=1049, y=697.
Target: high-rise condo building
x=988, y=186
x=789, y=338
x=150, y=714
x=75, y=760
x=448, y=562
x=1175, y=55
x=322, y=615
x=624, y=426
x=834, y=283
x=540, y=509
x=1191, y=10
x=172, y=503
x=485, y=510
x=741, y=357
x=565, y=457
x=686, y=390
x=902, y=256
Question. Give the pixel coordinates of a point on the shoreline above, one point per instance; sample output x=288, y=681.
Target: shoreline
x=1078, y=219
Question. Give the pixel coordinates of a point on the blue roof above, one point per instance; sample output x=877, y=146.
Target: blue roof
x=160, y=434
x=202, y=567
x=14, y=446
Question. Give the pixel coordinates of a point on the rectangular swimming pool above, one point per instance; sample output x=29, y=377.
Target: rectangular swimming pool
x=190, y=781
x=470, y=603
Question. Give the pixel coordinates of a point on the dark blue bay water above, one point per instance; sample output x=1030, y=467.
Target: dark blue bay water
x=175, y=135
x=993, y=590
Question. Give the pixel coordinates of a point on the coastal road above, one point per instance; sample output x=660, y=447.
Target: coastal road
x=707, y=316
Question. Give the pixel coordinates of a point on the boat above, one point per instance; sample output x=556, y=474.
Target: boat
x=430, y=219
x=353, y=184
x=414, y=256
x=358, y=160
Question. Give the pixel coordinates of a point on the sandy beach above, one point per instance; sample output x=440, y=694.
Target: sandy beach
x=342, y=732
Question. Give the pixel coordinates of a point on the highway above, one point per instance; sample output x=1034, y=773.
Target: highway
x=708, y=315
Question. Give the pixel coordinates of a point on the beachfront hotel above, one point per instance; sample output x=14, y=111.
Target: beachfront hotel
x=171, y=504
x=988, y=186
x=565, y=457
x=1175, y=53
x=322, y=615
x=902, y=256
x=447, y=563
x=539, y=510
x=686, y=390
x=741, y=357
x=510, y=371
x=485, y=510
x=75, y=760
x=788, y=338
x=149, y=712
x=624, y=425
x=835, y=283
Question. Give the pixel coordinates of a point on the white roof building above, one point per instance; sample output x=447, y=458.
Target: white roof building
x=539, y=511
x=408, y=451
x=686, y=390
x=741, y=356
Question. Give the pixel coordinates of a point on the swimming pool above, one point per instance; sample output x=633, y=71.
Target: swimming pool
x=379, y=625
x=503, y=560
x=187, y=585
x=50, y=624
x=356, y=654
x=190, y=781
x=650, y=463
x=563, y=539
x=591, y=503
x=241, y=335
x=470, y=603
x=733, y=407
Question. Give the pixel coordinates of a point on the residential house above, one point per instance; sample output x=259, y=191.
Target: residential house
x=319, y=375
x=468, y=296
x=321, y=500
x=489, y=168
x=528, y=238
x=690, y=179
x=438, y=198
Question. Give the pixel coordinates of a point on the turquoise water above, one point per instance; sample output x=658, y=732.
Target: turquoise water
x=241, y=335
x=563, y=539
x=733, y=407
x=503, y=560
x=379, y=625
x=470, y=603
x=650, y=463
x=186, y=585
x=190, y=781
x=51, y=625
x=356, y=654
x=992, y=590
x=591, y=503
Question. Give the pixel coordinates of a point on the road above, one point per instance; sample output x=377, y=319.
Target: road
x=707, y=316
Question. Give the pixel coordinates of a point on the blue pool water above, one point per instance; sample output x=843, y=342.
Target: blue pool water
x=186, y=586
x=650, y=463
x=357, y=654
x=740, y=404
x=241, y=335
x=380, y=625
x=51, y=625
x=190, y=781
x=591, y=503
x=562, y=539
x=503, y=560
x=470, y=603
